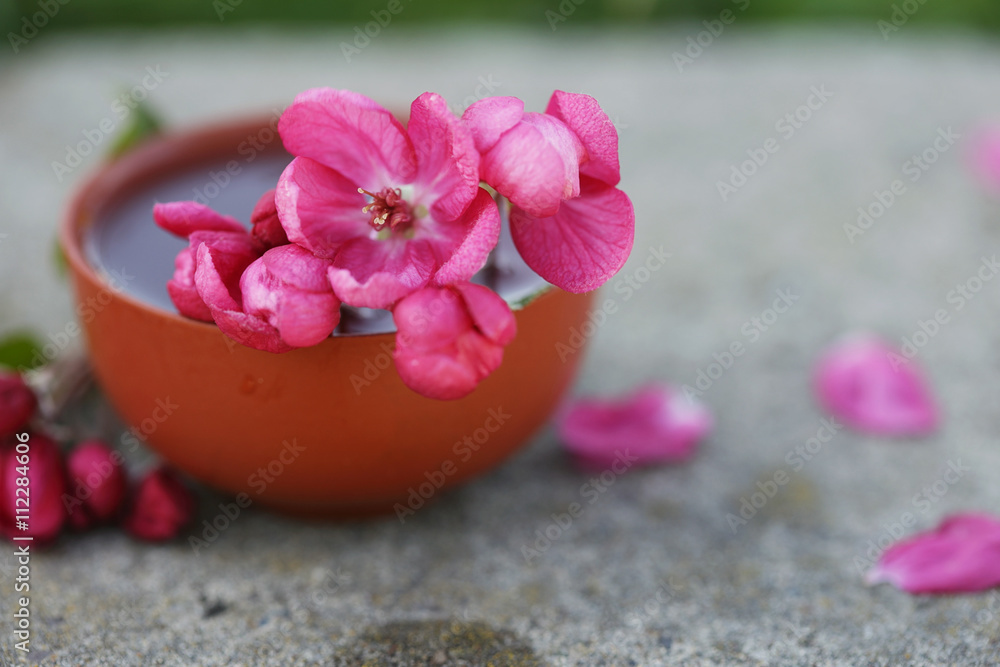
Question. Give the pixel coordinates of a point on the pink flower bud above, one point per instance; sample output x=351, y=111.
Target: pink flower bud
x=37, y=460
x=97, y=484
x=17, y=403
x=162, y=506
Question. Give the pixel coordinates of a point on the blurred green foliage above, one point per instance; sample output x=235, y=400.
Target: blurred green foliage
x=100, y=13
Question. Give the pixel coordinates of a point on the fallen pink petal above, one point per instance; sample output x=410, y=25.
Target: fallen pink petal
x=873, y=388
x=655, y=424
x=962, y=555
x=984, y=157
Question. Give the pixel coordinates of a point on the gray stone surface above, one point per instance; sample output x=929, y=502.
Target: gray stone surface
x=451, y=585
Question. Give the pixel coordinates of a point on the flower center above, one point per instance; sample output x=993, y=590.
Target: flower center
x=388, y=209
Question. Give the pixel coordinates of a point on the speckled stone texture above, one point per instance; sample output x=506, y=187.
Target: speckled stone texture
x=653, y=572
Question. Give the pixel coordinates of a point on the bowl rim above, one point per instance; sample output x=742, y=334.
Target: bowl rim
x=172, y=151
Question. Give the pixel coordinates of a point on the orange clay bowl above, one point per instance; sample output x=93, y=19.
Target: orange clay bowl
x=291, y=430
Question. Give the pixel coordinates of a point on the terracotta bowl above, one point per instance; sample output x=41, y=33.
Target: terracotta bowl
x=292, y=430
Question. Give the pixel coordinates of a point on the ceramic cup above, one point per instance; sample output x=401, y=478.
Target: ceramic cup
x=292, y=431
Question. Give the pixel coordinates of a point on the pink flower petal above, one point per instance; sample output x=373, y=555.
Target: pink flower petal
x=488, y=119
x=351, y=134
x=654, y=424
x=250, y=331
x=320, y=209
x=961, y=556
x=535, y=164
x=489, y=312
x=183, y=218
x=17, y=404
x=441, y=351
x=985, y=157
x=297, y=267
x=221, y=259
x=288, y=288
x=584, y=244
x=371, y=273
x=584, y=116
x=481, y=227
x=182, y=289
x=874, y=389
x=447, y=160
x=266, y=224
x=46, y=486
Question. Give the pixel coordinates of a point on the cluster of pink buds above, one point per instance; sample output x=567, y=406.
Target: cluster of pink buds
x=41, y=491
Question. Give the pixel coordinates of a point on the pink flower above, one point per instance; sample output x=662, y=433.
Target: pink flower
x=43, y=467
x=162, y=506
x=97, y=482
x=233, y=249
x=17, y=404
x=961, y=556
x=873, y=389
x=654, y=424
x=260, y=290
x=394, y=209
x=559, y=170
x=451, y=338
x=284, y=299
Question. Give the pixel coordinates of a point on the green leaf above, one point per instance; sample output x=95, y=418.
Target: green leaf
x=59, y=259
x=143, y=124
x=21, y=351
